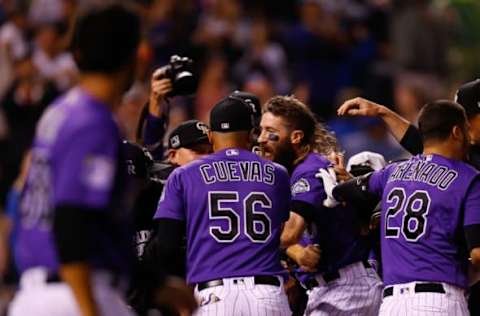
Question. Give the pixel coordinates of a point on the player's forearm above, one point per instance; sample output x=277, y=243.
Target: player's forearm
x=78, y=277
x=293, y=230
x=294, y=252
x=397, y=125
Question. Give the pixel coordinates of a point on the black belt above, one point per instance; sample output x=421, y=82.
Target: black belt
x=419, y=288
x=258, y=279
x=329, y=277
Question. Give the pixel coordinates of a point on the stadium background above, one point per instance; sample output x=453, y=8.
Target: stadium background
x=400, y=53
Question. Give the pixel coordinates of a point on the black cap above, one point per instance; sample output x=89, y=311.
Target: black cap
x=138, y=160
x=230, y=115
x=468, y=96
x=253, y=101
x=187, y=134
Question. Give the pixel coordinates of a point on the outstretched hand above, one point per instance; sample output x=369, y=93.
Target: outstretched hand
x=359, y=107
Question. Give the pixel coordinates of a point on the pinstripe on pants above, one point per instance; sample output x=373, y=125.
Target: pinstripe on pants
x=242, y=297
x=357, y=292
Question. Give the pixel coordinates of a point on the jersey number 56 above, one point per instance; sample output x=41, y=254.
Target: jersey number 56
x=257, y=224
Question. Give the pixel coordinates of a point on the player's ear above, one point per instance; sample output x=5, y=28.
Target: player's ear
x=296, y=137
x=172, y=155
x=210, y=136
x=457, y=133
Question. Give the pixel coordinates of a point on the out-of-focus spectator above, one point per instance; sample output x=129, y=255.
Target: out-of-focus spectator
x=221, y=28
x=261, y=54
x=13, y=45
x=212, y=87
x=23, y=105
x=50, y=57
x=45, y=11
x=260, y=86
x=420, y=37
x=128, y=113
x=317, y=48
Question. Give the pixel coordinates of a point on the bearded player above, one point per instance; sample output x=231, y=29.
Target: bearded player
x=345, y=283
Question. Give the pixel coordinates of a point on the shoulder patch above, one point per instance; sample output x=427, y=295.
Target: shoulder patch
x=301, y=186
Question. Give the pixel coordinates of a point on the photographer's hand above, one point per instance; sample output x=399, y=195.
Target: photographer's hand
x=159, y=87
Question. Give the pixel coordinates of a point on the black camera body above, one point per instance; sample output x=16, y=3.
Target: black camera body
x=179, y=71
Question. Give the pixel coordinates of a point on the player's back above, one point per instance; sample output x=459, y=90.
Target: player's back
x=234, y=203
x=68, y=127
x=422, y=219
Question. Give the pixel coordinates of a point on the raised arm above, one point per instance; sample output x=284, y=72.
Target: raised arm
x=403, y=131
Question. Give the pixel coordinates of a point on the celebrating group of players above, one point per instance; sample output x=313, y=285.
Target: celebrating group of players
x=260, y=181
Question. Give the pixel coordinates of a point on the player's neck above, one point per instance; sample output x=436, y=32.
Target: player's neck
x=443, y=150
x=102, y=88
x=229, y=144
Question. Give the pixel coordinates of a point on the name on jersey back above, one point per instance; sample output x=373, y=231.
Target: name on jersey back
x=424, y=171
x=231, y=171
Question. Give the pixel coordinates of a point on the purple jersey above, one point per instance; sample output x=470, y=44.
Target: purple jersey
x=75, y=162
x=338, y=228
x=426, y=201
x=234, y=204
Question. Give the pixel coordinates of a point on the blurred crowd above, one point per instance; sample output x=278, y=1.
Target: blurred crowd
x=395, y=52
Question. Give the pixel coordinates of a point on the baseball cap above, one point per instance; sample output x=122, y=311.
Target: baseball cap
x=253, y=101
x=188, y=133
x=137, y=159
x=231, y=114
x=468, y=96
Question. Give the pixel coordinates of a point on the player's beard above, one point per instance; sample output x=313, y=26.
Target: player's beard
x=285, y=154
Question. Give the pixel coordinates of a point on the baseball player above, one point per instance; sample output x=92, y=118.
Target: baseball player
x=73, y=247
x=344, y=284
x=232, y=205
x=430, y=208
x=468, y=96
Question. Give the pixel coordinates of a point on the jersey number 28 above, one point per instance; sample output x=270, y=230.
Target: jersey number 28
x=415, y=210
x=257, y=224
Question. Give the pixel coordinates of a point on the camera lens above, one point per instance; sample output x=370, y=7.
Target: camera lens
x=184, y=83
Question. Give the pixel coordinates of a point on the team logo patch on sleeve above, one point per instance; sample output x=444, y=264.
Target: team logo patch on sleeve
x=301, y=186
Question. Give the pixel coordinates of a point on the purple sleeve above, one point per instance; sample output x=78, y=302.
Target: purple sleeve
x=84, y=169
x=171, y=204
x=377, y=182
x=472, y=204
x=153, y=135
x=308, y=189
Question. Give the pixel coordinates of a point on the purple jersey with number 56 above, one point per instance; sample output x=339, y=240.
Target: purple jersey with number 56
x=426, y=202
x=234, y=204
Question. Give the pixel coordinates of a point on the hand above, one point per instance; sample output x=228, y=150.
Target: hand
x=360, y=107
x=176, y=295
x=329, y=182
x=341, y=172
x=160, y=86
x=308, y=258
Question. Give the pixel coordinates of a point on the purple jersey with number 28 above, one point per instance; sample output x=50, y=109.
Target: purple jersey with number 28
x=426, y=202
x=234, y=204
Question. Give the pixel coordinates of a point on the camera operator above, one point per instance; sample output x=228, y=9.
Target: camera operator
x=174, y=79
x=185, y=143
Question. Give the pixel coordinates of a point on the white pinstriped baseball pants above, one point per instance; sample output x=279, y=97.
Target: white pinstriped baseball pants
x=357, y=292
x=36, y=297
x=242, y=298
x=405, y=301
